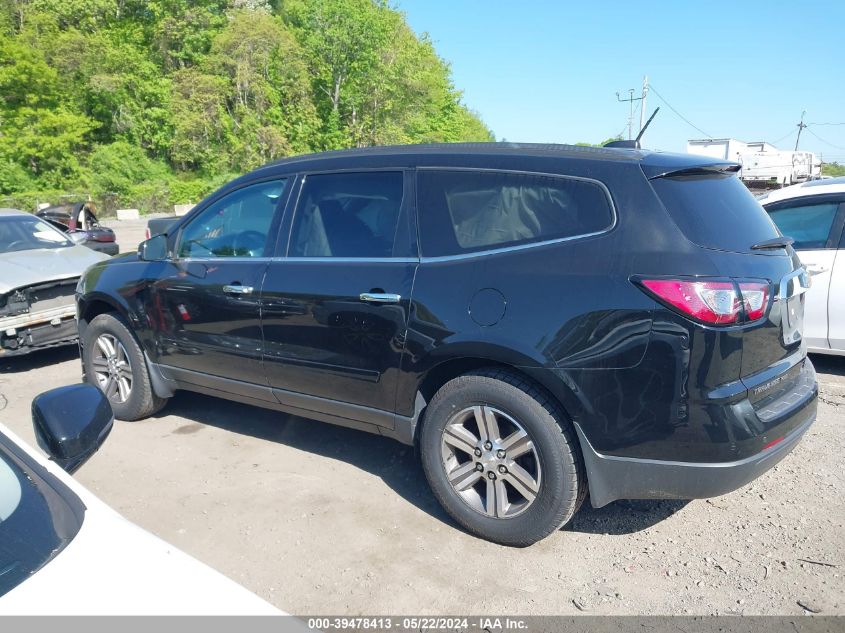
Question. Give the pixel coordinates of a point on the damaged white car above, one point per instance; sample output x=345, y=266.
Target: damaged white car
x=39, y=268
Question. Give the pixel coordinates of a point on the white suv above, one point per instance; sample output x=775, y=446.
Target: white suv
x=813, y=213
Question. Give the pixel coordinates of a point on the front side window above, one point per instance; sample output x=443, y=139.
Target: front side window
x=808, y=224
x=347, y=215
x=466, y=211
x=237, y=225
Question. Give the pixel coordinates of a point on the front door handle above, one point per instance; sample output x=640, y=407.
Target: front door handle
x=237, y=289
x=380, y=297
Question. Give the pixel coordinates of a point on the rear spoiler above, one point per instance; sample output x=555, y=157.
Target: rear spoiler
x=711, y=169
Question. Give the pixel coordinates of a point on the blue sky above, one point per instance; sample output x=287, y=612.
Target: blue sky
x=549, y=71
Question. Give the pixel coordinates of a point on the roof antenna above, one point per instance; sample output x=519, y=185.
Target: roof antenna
x=635, y=143
x=647, y=123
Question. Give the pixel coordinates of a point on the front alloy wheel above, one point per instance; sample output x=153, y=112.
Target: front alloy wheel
x=111, y=368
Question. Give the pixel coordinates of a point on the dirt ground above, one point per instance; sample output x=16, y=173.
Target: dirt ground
x=323, y=520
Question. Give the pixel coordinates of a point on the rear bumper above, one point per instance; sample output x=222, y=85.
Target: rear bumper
x=612, y=478
x=109, y=248
x=777, y=423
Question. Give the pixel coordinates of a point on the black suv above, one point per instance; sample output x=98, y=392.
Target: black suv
x=540, y=321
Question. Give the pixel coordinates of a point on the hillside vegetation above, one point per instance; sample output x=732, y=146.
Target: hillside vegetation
x=154, y=102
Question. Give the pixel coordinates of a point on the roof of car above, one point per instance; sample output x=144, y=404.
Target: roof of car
x=534, y=150
x=7, y=211
x=809, y=188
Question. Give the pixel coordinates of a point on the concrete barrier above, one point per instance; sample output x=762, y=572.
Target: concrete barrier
x=128, y=214
x=182, y=209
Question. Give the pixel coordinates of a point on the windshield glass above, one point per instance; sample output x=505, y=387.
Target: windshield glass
x=39, y=516
x=24, y=233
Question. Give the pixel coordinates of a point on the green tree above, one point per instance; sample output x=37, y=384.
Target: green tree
x=163, y=100
x=833, y=169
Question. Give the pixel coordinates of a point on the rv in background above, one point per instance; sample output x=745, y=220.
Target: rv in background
x=763, y=164
x=726, y=148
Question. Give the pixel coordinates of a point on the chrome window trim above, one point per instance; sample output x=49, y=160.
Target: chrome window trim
x=349, y=260
x=518, y=247
x=220, y=260
x=509, y=249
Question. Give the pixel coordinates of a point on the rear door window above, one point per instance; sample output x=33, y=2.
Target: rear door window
x=809, y=224
x=348, y=215
x=468, y=211
x=715, y=211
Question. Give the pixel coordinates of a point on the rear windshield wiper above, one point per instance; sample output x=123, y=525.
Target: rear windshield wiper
x=781, y=241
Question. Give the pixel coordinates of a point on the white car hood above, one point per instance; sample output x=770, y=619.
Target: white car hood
x=24, y=268
x=113, y=567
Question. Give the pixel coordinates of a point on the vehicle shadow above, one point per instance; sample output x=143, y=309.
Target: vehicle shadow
x=38, y=359
x=826, y=364
x=396, y=464
x=623, y=517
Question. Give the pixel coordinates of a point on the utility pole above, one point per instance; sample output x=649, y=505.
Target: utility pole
x=642, y=107
x=631, y=98
x=801, y=126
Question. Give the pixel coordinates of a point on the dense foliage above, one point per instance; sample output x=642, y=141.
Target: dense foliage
x=154, y=102
x=833, y=169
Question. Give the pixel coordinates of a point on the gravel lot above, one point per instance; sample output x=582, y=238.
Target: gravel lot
x=323, y=520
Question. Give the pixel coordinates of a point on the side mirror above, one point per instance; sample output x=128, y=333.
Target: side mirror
x=71, y=423
x=153, y=249
x=77, y=237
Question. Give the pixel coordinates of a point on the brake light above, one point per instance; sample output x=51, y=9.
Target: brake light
x=712, y=302
x=755, y=297
x=147, y=233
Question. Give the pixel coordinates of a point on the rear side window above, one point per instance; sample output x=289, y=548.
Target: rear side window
x=467, y=211
x=715, y=211
x=347, y=215
x=808, y=224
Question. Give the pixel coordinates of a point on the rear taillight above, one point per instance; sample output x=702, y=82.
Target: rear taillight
x=719, y=302
x=147, y=233
x=755, y=299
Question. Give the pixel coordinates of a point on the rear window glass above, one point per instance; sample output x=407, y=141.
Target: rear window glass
x=466, y=211
x=715, y=211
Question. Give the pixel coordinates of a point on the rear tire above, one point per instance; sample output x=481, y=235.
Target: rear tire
x=114, y=363
x=501, y=457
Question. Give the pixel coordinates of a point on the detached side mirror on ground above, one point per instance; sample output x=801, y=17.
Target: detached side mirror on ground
x=153, y=249
x=71, y=423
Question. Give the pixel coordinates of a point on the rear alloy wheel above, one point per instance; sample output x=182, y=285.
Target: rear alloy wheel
x=501, y=457
x=491, y=462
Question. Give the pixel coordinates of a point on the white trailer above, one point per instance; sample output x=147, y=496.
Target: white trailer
x=768, y=168
x=725, y=148
x=779, y=168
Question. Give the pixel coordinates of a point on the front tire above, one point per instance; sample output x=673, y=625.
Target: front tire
x=501, y=458
x=113, y=362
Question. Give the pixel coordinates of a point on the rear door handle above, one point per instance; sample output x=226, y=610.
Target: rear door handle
x=380, y=297
x=237, y=289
